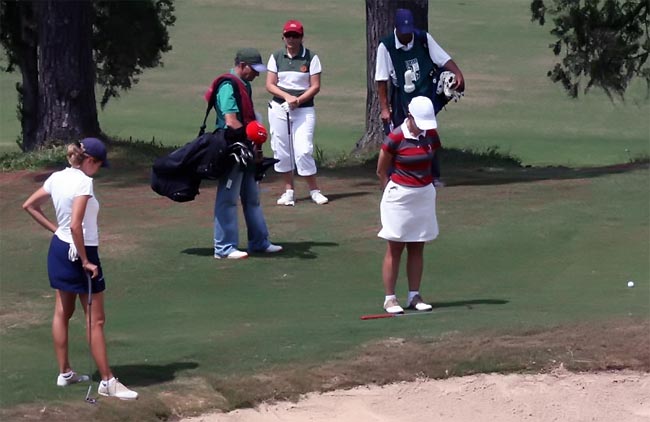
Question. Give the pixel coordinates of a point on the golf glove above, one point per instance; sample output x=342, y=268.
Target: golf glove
x=285, y=107
x=72, y=253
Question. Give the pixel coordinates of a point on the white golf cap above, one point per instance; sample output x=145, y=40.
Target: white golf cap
x=421, y=108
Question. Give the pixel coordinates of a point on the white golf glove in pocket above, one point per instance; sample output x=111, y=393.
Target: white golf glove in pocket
x=72, y=253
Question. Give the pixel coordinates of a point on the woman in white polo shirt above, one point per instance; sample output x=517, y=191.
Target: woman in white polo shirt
x=73, y=254
x=293, y=79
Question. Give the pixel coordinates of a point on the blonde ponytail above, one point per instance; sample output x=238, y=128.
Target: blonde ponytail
x=75, y=154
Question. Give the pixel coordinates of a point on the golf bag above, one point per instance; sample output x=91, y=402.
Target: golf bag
x=178, y=175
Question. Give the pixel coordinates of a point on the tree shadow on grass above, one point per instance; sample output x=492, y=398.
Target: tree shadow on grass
x=461, y=167
x=469, y=304
x=144, y=375
x=300, y=250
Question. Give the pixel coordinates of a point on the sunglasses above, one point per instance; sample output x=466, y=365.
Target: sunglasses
x=292, y=35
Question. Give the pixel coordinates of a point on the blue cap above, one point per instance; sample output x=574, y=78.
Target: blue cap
x=404, y=21
x=96, y=149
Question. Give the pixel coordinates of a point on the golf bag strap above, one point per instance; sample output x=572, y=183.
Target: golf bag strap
x=242, y=97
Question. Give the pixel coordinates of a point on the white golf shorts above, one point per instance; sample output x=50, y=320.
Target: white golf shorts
x=302, y=121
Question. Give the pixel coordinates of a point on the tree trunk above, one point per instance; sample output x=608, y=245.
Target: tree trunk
x=379, y=23
x=67, y=110
x=28, y=64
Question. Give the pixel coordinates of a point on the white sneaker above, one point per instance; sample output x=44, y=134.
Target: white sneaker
x=319, y=198
x=73, y=378
x=286, y=199
x=236, y=254
x=114, y=388
x=273, y=248
x=392, y=307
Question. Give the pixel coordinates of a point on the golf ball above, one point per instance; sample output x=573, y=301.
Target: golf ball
x=630, y=283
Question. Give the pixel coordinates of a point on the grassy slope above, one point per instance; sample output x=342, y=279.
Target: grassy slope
x=509, y=102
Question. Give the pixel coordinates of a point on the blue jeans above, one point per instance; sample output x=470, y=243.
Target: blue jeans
x=238, y=183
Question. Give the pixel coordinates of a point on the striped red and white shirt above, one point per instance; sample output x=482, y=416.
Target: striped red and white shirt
x=412, y=156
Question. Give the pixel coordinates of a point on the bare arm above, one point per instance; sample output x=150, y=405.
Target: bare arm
x=314, y=88
x=273, y=88
x=232, y=121
x=382, y=91
x=76, y=228
x=383, y=165
x=293, y=101
x=33, y=206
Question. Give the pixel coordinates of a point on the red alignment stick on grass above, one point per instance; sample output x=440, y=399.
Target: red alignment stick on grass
x=387, y=315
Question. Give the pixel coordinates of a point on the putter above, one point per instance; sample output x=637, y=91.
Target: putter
x=90, y=400
x=290, y=132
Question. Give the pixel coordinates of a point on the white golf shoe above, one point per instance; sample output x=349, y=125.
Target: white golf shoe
x=114, y=388
x=236, y=254
x=418, y=304
x=318, y=197
x=287, y=199
x=70, y=378
x=273, y=248
x=392, y=307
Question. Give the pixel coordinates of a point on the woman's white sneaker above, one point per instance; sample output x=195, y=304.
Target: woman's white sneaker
x=114, y=388
x=318, y=197
x=392, y=307
x=287, y=199
x=70, y=378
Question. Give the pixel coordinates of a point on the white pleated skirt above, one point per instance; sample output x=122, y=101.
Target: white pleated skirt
x=408, y=214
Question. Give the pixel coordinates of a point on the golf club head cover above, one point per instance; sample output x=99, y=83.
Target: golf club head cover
x=240, y=154
x=256, y=132
x=445, y=86
x=409, y=76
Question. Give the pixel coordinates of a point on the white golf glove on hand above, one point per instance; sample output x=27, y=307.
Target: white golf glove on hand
x=285, y=107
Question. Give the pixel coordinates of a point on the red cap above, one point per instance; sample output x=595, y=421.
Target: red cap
x=256, y=132
x=293, y=26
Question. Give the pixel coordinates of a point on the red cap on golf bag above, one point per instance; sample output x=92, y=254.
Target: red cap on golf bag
x=256, y=132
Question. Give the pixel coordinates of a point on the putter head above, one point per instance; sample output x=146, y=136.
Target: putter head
x=90, y=400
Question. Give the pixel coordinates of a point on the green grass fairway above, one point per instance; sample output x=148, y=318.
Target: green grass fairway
x=530, y=269
x=539, y=249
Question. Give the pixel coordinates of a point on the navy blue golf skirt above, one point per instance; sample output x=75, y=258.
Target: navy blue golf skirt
x=70, y=276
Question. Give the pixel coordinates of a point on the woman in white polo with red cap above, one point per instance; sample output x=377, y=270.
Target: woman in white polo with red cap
x=408, y=204
x=293, y=79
